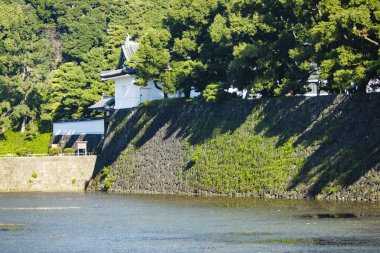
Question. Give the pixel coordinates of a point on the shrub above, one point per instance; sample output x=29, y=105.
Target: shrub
x=211, y=92
x=12, y=141
x=108, y=182
x=68, y=150
x=107, y=178
x=34, y=175
x=55, y=151
x=73, y=181
x=23, y=151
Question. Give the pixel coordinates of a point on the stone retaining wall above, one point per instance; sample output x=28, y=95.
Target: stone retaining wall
x=330, y=146
x=51, y=174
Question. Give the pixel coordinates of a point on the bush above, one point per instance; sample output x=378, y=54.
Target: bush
x=211, y=92
x=34, y=175
x=68, y=150
x=24, y=151
x=55, y=151
x=11, y=142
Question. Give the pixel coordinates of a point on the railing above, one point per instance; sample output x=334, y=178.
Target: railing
x=47, y=155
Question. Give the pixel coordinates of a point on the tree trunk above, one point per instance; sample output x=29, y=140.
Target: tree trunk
x=187, y=92
x=23, y=125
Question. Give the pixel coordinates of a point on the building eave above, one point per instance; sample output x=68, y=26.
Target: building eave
x=117, y=73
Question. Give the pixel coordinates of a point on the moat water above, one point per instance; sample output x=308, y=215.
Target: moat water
x=80, y=222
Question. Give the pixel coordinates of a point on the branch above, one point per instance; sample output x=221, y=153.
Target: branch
x=364, y=35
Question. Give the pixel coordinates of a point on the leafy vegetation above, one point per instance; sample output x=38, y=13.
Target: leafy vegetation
x=68, y=150
x=13, y=142
x=107, y=178
x=242, y=163
x=55, y=151
x=51, y=52
x=267, y=47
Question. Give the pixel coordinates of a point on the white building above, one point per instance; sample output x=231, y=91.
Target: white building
x=127, y=93
x=79, y=127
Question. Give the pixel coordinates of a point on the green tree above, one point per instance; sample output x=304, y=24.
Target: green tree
x=152, y=57
x=183, y=75
x=26, y=62
x=115, y=38
x=346, y=43
x=196, y=59
x=269, y=41
x=75, y=87
x=66, y=95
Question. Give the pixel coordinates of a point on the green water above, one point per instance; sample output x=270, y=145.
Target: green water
x=79, y=222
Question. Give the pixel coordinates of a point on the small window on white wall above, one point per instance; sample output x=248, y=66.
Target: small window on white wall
x=123, y=90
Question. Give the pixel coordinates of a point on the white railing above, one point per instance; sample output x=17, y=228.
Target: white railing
x=46, y=155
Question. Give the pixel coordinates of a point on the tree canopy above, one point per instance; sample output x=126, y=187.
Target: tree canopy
x=51, y=51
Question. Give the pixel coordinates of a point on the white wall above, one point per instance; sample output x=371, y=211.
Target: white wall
x=79, y=127
x=129, y=95
x=194, y=94
x=154, y=92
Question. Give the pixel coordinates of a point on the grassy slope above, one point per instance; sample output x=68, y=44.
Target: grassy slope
x=14, y=141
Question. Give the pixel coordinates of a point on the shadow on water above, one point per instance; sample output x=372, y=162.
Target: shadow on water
x=325, y=241
x=339, y=136
x=328, y=216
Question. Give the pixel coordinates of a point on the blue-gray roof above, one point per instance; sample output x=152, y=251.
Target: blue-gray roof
x=128, y=49
x=106, y=102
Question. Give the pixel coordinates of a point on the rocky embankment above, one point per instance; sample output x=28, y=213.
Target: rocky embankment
x=291, y=147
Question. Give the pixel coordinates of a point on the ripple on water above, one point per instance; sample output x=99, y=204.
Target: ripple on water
x=40, y=208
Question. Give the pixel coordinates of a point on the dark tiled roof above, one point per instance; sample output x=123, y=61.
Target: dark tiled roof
x=117, y=72
x=106, y=102
x=76, y=120
x=128, y=49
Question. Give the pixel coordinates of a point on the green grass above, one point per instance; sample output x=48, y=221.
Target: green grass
x=13, y=142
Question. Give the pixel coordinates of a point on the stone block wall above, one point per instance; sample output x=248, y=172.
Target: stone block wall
x=50, y=174
x=320, y=147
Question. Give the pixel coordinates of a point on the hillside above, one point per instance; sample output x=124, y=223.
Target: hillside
x=289, y=147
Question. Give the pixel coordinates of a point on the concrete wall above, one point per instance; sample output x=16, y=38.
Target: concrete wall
x=50, y=173
x=79, y=127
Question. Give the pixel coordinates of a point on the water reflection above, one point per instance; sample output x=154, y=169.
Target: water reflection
x=328, y=216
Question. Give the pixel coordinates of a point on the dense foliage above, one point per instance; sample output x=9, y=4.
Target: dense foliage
x=51, y=51
x=269, y=47
x=15, y=144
